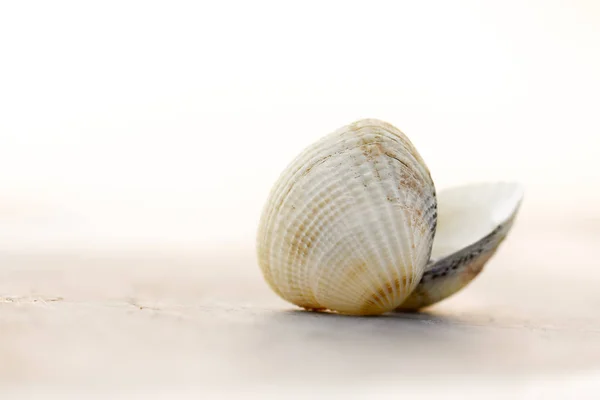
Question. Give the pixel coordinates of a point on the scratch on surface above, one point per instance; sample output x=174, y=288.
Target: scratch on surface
x=29, y=299
x=137, y=304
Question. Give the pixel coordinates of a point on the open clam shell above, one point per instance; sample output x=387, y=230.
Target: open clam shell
x=351, y=226
x=473, y=220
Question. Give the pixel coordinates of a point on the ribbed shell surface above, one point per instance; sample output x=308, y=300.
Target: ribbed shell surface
x=349, y=224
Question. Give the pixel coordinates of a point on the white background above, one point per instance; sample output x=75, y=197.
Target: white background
x=168, y=122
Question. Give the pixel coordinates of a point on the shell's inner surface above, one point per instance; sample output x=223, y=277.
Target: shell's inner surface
x=469, y=213
x=349, y=225
x=473, y=221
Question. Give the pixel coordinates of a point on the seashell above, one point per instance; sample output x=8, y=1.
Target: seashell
x=473, y=220
x=350, y=226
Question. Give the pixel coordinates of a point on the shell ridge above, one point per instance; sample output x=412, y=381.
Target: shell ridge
x=383, y=252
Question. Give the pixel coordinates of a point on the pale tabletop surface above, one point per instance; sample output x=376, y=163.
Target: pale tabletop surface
x=172, y=323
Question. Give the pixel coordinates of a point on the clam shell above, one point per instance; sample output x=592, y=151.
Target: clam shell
x=474, y=220
x=349, y=225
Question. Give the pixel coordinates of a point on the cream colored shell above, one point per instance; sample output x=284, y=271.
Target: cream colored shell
x=473, y=222
x=349, y=225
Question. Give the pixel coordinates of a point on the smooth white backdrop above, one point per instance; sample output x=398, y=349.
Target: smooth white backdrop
x=168, y=122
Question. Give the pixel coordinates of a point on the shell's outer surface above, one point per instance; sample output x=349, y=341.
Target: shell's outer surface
x=490, y=214
x=349, y=225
